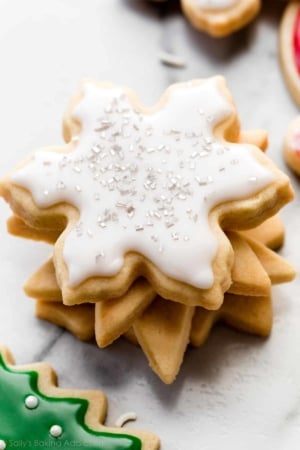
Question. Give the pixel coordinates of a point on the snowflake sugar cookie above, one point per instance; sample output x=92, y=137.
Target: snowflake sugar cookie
x=146, y=192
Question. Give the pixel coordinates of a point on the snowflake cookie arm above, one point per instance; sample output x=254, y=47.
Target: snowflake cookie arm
x=33, y=409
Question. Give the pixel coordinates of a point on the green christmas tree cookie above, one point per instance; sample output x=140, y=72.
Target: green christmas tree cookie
x=35, y=413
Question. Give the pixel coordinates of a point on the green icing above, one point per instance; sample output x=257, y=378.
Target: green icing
x=25, y=428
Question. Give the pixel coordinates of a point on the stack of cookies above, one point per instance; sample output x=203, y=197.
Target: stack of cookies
x=163, y=220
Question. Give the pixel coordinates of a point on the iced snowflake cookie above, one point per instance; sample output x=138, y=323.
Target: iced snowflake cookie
x=292, y=145
x=289, y=48
x=220, y=17
x=34, y=412
x=147, y=192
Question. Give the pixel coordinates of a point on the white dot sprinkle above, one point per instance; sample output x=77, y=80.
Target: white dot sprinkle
x=2, y=444
x=56, y=431
x=31, y=402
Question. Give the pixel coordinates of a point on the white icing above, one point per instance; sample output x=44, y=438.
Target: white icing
x=145, y=182
x=31, y=402
x=2, y=444
x=216, y=4
x=56, y=431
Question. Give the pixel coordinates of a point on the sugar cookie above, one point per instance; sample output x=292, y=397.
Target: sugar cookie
x=220, y=18
x=33, y=409
x=170, y=180
x=289, y=48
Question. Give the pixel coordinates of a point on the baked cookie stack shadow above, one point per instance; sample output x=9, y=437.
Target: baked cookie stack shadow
x=163, y=221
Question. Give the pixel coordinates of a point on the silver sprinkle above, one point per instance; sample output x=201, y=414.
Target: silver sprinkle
x=130, y=211
x=139, y=228
x=99, y=256
x=96, y=149
x=204, y=181
x=63, y=162
x=169, y=224
x=60, y=185
x=121, y=205
x=104, y=125
x=253, y=179
x=79, y=229
x=204, y=153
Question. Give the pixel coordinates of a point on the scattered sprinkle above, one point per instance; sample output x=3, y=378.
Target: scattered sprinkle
x=124, y=418
x=171, y=60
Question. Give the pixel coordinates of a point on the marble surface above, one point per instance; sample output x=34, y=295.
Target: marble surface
x=237, y=391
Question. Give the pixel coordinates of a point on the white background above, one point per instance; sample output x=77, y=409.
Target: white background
x=237, y=392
